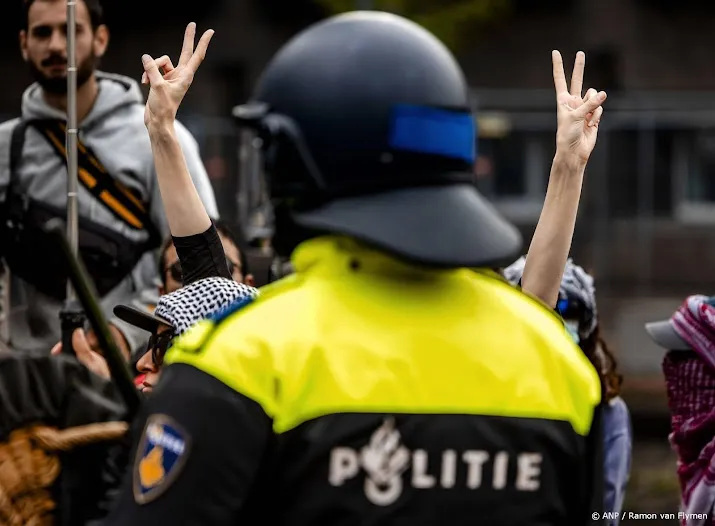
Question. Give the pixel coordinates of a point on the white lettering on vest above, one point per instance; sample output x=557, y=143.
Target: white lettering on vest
x=449, y=469
x=501, y=465
x=344, y=465
x=528, y=471
x=420, y=478
x=385, y=459
x=475, y=460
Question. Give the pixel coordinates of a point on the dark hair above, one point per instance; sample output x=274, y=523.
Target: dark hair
x=600, y=355
x=96, y=13
x=225, y=231
x=162, y=258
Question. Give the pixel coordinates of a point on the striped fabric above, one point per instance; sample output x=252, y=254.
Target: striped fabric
x=690, y=381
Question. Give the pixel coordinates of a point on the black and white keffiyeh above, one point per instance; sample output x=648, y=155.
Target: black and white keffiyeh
x=514, y=272
x=576, y=284
x=200, y=300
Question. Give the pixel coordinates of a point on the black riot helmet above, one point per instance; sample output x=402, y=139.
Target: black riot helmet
x=364, y=126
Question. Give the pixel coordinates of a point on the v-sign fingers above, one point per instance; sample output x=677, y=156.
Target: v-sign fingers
x=595, y=118
x=187, y=49
x=590, y=105
x=151, y=70
x=164, y=63
x=590, y=93
x=559, y=75
x=200, y=53
x=577, y=75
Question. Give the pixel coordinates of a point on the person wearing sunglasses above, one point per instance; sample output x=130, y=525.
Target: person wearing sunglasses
x=576, y=304
x=175, y=313
x=183, y=260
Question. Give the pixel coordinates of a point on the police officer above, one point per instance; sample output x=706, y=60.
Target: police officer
x=383, y=382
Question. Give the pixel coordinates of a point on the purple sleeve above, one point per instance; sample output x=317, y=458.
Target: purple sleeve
x=617, y=436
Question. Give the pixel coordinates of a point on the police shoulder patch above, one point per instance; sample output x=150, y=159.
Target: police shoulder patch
x=161, y=456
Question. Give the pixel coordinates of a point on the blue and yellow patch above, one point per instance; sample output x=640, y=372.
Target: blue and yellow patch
x=162, y=453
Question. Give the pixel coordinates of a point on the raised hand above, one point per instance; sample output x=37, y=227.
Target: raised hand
x=168, y=89
x=578, y=116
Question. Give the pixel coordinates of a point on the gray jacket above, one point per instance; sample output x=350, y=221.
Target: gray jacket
x=114, y=129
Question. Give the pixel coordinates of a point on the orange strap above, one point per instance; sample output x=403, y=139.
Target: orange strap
x=116, y=197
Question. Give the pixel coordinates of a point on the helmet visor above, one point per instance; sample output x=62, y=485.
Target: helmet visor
x=254, y=204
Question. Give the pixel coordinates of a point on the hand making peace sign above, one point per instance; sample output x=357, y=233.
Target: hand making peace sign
x=578, y=117
x=168, y=90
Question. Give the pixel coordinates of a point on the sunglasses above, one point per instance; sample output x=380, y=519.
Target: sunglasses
x=570, y=309
x=158, y=345
x=177, y=275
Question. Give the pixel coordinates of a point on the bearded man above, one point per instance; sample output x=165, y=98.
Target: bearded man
x=121, y=214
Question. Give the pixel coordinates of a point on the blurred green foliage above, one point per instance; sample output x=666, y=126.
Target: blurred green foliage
x=450, y=20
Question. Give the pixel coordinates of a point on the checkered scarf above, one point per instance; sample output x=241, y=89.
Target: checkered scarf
x=576, y=284
x=199, y=300
x=690, y=382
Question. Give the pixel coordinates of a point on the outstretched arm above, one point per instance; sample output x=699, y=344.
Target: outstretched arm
x=578, y=120
x=551, y=243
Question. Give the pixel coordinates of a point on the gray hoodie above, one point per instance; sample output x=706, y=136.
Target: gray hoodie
x=114, y=129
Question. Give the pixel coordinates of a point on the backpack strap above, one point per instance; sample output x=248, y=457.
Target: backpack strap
x=120, y=200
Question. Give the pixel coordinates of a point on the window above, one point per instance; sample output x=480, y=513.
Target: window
x=701, y=169
x=513, y=171
x=500, y=172
x=694, y=173
x=622, y=175
x=639, y=164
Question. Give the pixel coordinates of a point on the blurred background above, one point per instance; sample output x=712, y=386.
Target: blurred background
x=647, y=222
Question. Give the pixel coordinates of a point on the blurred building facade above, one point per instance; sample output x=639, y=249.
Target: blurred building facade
x=647, y=222
x=647, y=226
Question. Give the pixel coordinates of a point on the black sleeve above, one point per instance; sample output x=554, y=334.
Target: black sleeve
x=226, y=436
x=594, y=479
x=202, y=256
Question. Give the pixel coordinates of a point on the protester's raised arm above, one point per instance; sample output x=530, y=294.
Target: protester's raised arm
x=551, y=243
x=578, y=120
x=184, y=209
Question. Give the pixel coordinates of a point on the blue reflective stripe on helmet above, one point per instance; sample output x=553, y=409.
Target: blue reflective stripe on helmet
x=422, y=129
